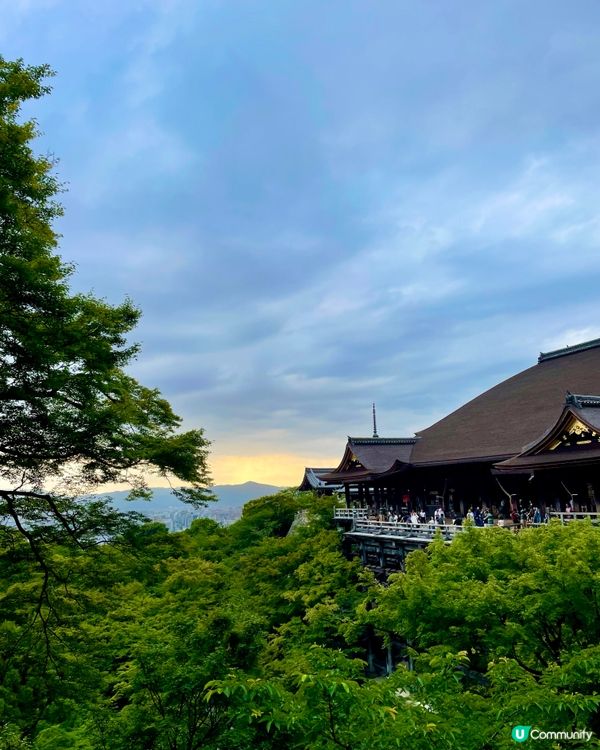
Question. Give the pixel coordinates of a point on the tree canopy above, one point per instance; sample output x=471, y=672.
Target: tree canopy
x=70, y=414
x=252, y=637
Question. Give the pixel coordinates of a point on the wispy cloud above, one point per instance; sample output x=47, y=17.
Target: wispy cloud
x=404, y=211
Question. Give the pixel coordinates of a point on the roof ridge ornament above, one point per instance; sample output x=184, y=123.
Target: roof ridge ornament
x=582, y=402
x=382, y=441
x=592, y=344
x=375, y=435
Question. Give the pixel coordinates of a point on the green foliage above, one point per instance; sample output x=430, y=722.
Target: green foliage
x=144, y=627
x=70, y=415
x=10, y=738
x=326, y=703
x=240, y=637
x=528, y=596
x=68, y=410
x=523, y=607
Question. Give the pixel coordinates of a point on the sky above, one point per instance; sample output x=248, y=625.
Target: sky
x=318, y=205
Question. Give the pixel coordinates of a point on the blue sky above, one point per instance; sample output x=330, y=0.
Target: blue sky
x=320, y=205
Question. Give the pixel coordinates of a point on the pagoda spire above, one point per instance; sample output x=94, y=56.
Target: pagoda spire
x=375, y=435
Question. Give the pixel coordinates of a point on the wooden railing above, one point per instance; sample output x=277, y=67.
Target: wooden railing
x=345, y=514
x=404, y=530
x=361, y=515
x=575, y=516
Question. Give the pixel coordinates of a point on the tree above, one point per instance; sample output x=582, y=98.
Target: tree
x=326, y=703
x=523, y=609
x=70, y=415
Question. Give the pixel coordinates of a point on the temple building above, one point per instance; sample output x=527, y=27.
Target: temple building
x=534, y=439
x=311, y=481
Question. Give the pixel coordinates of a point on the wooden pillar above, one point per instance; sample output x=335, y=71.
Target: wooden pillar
x=347, y=494
x=370, y=656
x=389, y=664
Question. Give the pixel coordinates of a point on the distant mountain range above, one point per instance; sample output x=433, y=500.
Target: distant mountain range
x=230, y=496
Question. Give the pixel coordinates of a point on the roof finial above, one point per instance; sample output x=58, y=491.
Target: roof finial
x=374, y=423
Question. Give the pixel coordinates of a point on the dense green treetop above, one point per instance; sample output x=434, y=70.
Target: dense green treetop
x=69, y=412
x=251, y=637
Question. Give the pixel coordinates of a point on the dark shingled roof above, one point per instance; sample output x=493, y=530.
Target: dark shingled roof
x=589, y=416
x=379, y=454
x=582, y=409
x=500, y=422
x=376, y=455
x=568, y=350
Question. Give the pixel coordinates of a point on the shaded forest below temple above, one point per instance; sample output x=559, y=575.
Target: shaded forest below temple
x=250, y=637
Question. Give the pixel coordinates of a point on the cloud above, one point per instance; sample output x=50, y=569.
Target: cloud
x=147, y=72
x=137, y=151
x=396, y=204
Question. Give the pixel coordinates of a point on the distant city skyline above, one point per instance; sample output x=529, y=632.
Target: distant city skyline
x=317, y=206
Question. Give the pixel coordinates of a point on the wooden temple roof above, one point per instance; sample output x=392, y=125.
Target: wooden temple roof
x=365, y=458
x=378, y=454
x=500, y=422
x=512, y=425
x=574, y=439
x=313, y=480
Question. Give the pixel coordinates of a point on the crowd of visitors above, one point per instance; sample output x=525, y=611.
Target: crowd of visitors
x=484, y=516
